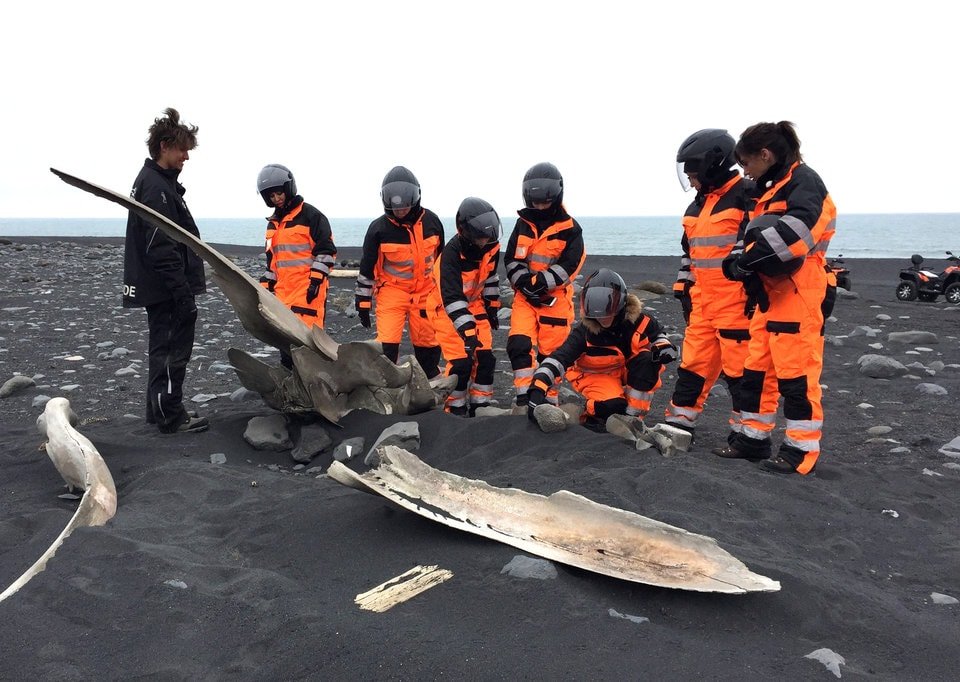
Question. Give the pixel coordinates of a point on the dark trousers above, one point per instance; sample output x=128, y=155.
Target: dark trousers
x=170, y=346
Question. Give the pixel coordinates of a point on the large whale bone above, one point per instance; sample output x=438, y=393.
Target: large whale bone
x=563, y=527
x=81, y=466
x=260, y=312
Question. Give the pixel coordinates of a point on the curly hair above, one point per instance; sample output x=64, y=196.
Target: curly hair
x=170, y=130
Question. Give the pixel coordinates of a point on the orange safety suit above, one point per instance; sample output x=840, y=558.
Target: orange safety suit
x=466, y=295
x=396, y=273
x=612, y=368
x=543, y=257
x=718, y=328
x=300, y=250
x=785, y=354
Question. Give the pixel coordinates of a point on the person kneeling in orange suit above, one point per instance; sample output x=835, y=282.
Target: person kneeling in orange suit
x=614, y=356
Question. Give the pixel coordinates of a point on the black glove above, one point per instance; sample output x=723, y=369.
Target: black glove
x=756, y=295
x=662, y=351
x=362, y=306
x=686, y=303
x=185, y=307
x=492, y=317
x=314, y=289
x=535, y=396
x=733, y=270
x=471, y=342
x=535, y=287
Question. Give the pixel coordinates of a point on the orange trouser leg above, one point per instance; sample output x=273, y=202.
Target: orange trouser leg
x=786, y=358
x=534, y=334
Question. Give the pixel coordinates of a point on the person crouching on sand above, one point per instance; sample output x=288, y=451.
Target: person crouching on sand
x=299, y=248
x=463, y=306
x=615, y=355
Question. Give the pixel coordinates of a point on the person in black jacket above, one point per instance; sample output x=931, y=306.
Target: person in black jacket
x=164, y=276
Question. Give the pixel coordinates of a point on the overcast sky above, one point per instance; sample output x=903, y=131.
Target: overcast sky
x=468, y=99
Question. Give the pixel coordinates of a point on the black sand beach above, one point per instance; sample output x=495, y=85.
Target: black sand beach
x=249, y=569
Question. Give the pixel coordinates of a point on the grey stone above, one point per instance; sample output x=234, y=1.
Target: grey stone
x=126, y=372
x=550, y=418
x=879, y=430
x=203, y=397
x=39, y=400
x=931, y=389
x=268, y=433
x=218, y=458
x=404, y=435
x=242, y=395
x=943, y=599
x=491, y=411
x=862, y=330
x=880, y=366
x=951, y=449
x=348, y=449
x=626, y=427
x=15, y=384
x=912, y=337
x=527, y=567
x=313, y=440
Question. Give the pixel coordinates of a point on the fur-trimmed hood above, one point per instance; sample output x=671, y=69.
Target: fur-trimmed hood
x=631, y=313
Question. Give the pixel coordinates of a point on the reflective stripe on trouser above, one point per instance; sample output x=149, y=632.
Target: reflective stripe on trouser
x=393, y=308
x=785, y=358
x=475, y=384
x=170, y=345
x=544, y=328
x=707, y=351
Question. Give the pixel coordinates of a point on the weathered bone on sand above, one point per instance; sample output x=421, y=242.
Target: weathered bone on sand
x=81, y=466
x=563, y=527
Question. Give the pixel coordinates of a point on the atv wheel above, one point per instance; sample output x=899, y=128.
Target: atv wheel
x=926, y=297
x=952, y=294
x=907, y=290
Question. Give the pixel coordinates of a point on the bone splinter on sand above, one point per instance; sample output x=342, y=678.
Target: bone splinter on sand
x=81, y=466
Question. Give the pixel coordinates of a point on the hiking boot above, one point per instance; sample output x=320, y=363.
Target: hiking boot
x=778, y=465
x=730, y=452
x=191, y=425
x=459, y=410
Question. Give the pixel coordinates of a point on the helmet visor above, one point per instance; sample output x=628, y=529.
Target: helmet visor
x=541, y=190
x=602, y=304
x=483, y=229
x=400, y=194
x=684, y=170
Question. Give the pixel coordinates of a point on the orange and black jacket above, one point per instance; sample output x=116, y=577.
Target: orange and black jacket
x=712, y=224
x=298, y=238
x=468, y=282
x=400, y=253
x=593, y=349
x=549, y=245
x=807, y=216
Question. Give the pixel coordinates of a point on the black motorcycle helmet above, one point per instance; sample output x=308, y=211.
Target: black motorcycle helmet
x=477, y=222
x=542, y=183
x=709, y=154
x=399, y=189
x=275, y=177
x=603, y=297
x=771, y=266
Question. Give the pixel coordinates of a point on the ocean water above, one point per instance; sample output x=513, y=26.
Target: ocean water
x=888, y=235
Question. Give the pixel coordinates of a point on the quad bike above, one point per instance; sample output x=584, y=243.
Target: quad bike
x=927, y=285
x=836, y=266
